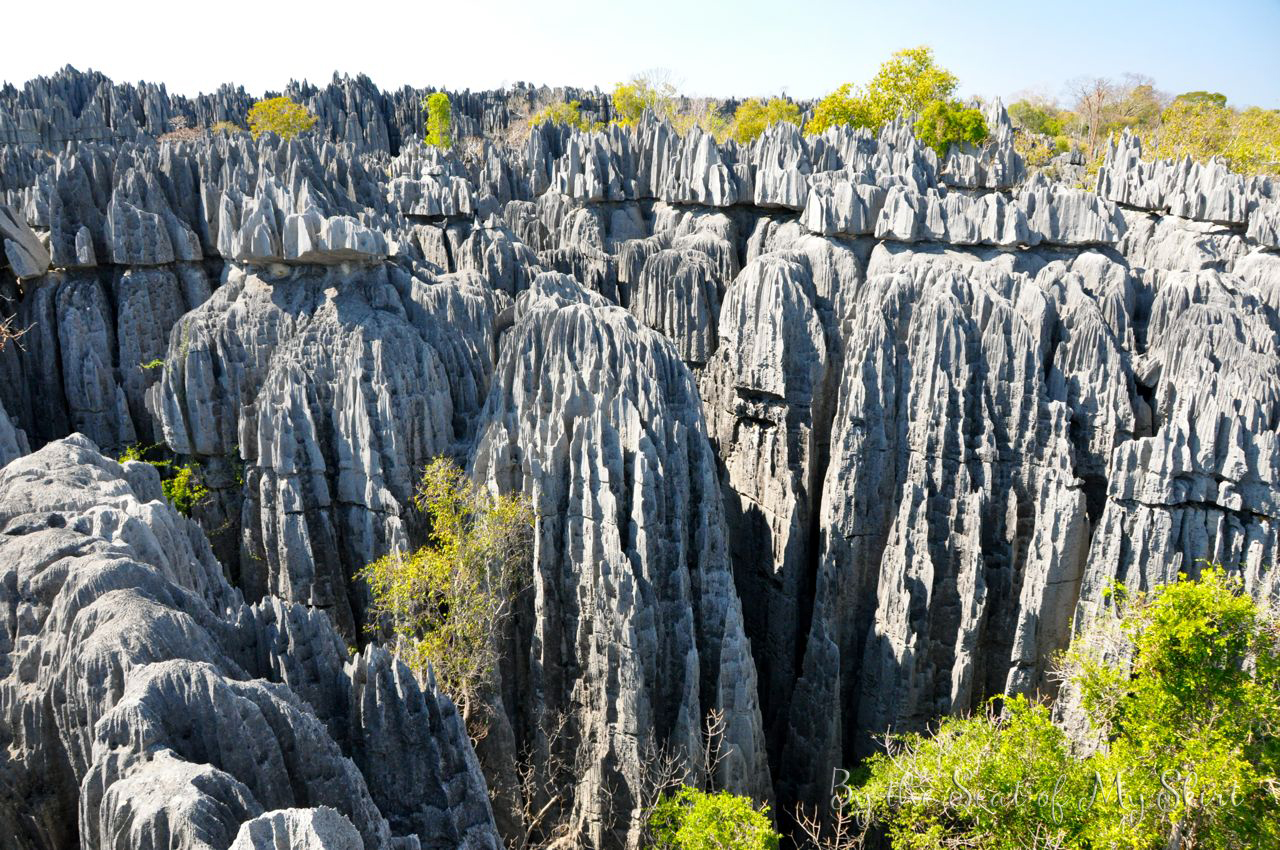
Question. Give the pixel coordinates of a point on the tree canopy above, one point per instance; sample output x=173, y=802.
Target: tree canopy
x=439, y=120
x=911, y=85
x=689, y=819
x=754, y=115
x=447, y=601
x=1186, y=741
x=281, y=116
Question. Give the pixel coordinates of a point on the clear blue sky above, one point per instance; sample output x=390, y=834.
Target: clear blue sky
x=712, y=48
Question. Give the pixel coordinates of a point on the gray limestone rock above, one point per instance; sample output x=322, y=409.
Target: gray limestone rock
x=13, y=441
x=636, y=630
x=146, y=706
x=26, y=256
x=298, y=829
x=677, y=295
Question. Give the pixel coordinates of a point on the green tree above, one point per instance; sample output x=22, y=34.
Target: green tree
x=905, y=84
x=943, y=123
x=689, y=819
x=1211, y=97
x=1041, y=118
x=1201, y=128
x=448, y=601
x=844, y=106
x=651, y=90
x=562, y=113
x=281, y=116
x=1187, y=734
x=754, y=115
x=439, y=120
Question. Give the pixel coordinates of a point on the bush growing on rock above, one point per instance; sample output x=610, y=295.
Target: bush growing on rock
x=905, y=86
x=281, y=116
x=439, y=120
x=651, y=90
x=563, y=113
x=448, y=600
x=184, y=490
x=1201, y=126
x=1185, y=741
x=228, y=127
x=943, y=123
x=754, y=115
x=689, y=819
x=181, y=483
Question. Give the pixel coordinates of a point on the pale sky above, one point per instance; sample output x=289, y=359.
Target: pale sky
x=742, y=48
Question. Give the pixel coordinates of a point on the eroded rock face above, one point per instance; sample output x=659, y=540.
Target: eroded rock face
x=635, y=627
x=146, y=705
x=333, y=388
x=827, y=433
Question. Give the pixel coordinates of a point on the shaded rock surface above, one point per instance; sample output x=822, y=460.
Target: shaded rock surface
x=825, y=433
x=146, y=705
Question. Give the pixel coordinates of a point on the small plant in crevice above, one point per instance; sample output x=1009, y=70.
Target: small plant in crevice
x=185, y=489
x=181, y=483
x=148, y=365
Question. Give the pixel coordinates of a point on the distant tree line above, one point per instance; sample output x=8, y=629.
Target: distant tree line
x=1198, y=124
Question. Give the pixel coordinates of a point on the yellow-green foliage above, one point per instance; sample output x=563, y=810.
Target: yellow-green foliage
x=704, y=115
x=448, y=600
x=1190, y=738
x=439, y=120
x=644, y=91
x=943, y=123
x=180, y=482
x=1204, y=127
x=281, y=116
x=155, y=363
x=754, y=115
x=185, y=489
x=903, y=86
x=1038, y=118
x=843, y=106
x=228, y=127
x=689, y=819
x=562, y=113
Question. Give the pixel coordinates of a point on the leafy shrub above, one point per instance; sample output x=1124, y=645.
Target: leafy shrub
x=228, y=127
x=439, y=120
x=843, y=106
x=754, y=115
x=908, y=82
x=180, y=482
x=1189, y=742
x=1201, y=127
x=689, y=819
x=1039, y=118
x=562, y=113
x=281, y=116
x=448, y=600
x=155, y=363
x=652, y=90
x=184, y=490
x=943, y=123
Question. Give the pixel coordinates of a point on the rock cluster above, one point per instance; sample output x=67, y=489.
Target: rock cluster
x=825, y=435
x=146, y=705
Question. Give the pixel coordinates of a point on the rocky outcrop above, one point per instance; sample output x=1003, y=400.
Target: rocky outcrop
x=635, y=627
x=146, y=705
x=825, y=433
x=333, y=388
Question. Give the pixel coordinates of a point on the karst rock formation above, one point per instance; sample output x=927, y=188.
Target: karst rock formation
x=825, y=435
